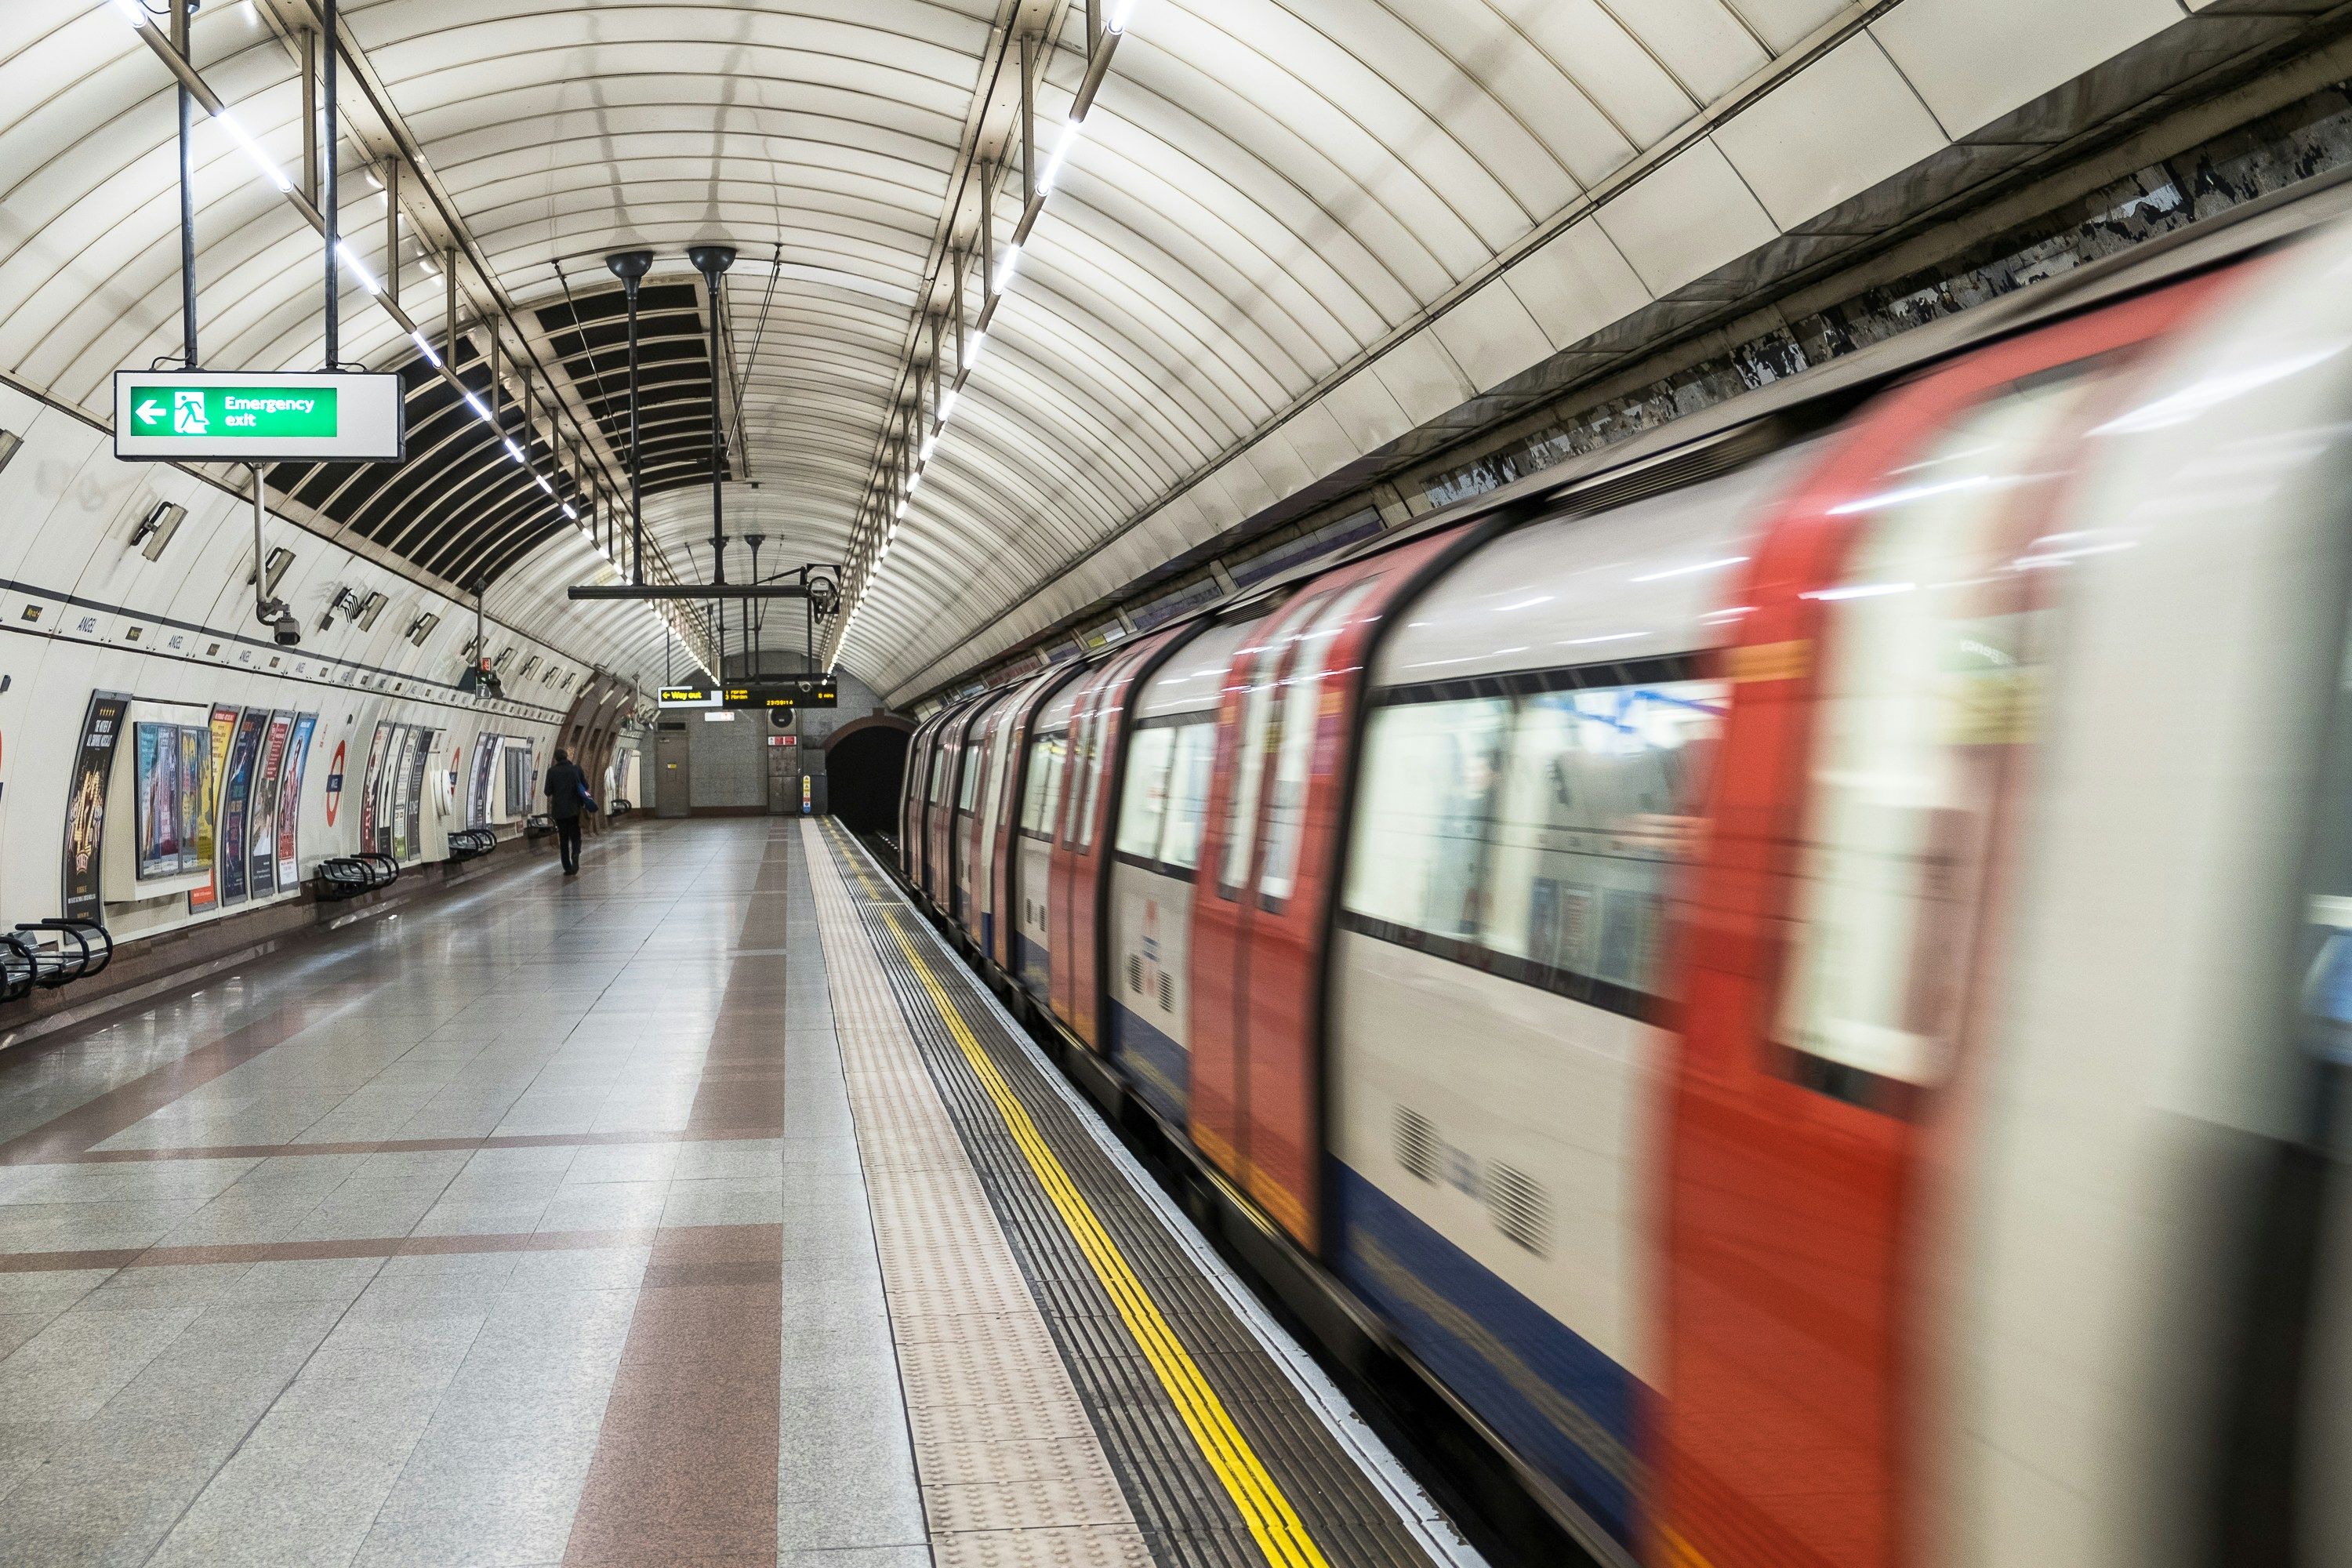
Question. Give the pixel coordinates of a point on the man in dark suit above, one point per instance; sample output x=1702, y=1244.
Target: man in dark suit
x=567, y=797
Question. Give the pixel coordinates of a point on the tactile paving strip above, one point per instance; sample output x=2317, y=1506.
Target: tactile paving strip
x=1187, y=1513
x=1010, y=1468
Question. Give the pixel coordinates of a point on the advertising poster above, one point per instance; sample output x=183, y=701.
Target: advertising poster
x=194, y=745
x=518, y=779
x=403, y=779
x=477, y=804
x=236, y=796
x=368, y=790
x=413, y=803
x=290, y=803
x=222, y=731
x=101, y=727
x=157, y=771
x=262, y=814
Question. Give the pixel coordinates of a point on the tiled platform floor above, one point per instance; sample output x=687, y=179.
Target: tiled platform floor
x=541, y=1225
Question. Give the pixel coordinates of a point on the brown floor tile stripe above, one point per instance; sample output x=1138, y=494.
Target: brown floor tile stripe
x=686, y=1463
x=721, y=1236
x=64, y=1138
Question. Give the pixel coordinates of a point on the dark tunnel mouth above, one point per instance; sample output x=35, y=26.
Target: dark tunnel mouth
x=863, y=769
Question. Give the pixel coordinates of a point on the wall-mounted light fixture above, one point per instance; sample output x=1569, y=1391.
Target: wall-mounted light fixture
x=422, y=628
x=347, y=600
x=155, y=531
x=10, y=443
x=369, y=608
x=274, y=572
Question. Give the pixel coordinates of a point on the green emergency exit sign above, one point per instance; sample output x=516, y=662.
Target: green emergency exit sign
x=259, y=417
x=233, y=413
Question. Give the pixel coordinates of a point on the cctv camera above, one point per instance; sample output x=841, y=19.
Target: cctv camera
x=288, y=630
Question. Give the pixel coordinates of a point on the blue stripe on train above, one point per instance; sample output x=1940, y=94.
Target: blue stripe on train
x=1160, y=1068
x=1563, y=1406
x=1030, y=959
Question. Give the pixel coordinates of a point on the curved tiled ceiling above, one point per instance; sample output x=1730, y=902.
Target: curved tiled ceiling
x=1269, y=203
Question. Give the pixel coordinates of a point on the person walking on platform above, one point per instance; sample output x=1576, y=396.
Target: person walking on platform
x=567, y=797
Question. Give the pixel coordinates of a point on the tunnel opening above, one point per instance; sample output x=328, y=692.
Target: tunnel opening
x=863, y=766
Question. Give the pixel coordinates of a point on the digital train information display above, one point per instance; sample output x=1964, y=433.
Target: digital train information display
x=810, y=691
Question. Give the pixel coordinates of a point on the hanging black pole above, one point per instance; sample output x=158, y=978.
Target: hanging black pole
x=630, y=267
x=180, y=12
x=331, y=207
x=711, y=260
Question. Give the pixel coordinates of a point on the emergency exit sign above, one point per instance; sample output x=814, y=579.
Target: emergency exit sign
x=259, y=417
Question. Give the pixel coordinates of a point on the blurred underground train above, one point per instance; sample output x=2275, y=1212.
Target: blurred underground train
x=1797, y=969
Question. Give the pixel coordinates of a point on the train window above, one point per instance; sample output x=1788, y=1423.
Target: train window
x=1194, y=750
x=1144, y=801
x=1043, y=785
x=1599, y=803
x=938, y=774
x=1926, y=684
x=1429, y=775
x=1257, y=713
x=1087, y=781
x=1302, y=691
x=970, y=792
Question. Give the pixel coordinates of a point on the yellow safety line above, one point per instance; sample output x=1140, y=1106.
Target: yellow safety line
x=1272, y=1521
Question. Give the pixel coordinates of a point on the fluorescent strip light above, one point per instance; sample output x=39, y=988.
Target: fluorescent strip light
x=131, y=10
x=425, y=349
x=480, y=408
x=1006, y=268
x=971, y=355
x=913, y=483
x=947, y=403
x=931, y=444
x=261, y=160
x=570, y=514
x=543, y=484
x=367, y=278
x=1054, y=161
x=1121, y=12
x=900, y=513
x=512, y=450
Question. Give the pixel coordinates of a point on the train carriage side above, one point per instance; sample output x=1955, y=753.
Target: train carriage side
x=1081, y=854
x=940, y=808
x=984, y=845
x=971, y=781
x=1537, y=733
x=1163, y=805
x=1012, y=819
x=1044, y=775
x=913, y=788
x=1261, y=926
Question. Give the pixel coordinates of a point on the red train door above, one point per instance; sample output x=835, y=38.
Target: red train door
x=1265, y=917
x=1097, y=733
x=1832, y=961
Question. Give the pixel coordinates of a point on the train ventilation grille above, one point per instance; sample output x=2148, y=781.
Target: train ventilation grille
x=1167, y=994
x=1134, y=973
x=1520, y=1210
x=1416, y=1143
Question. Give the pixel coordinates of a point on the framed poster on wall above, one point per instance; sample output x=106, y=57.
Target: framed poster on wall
x=85, y=828
x=290, y=803
x=236, y=800
x=222, y=731
x=261, y=848
x=370, y=788
x=156, y=777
